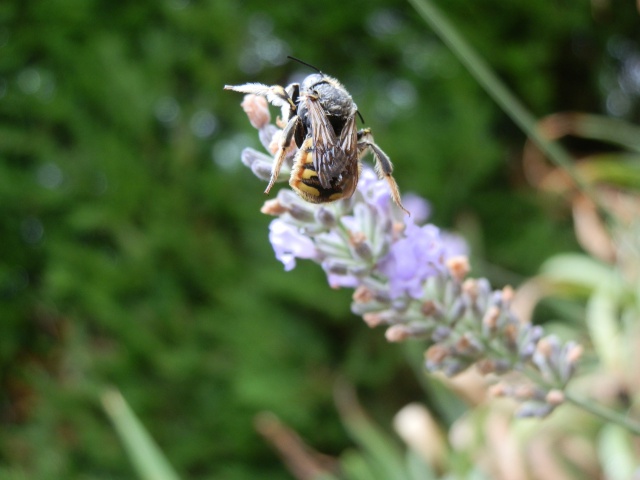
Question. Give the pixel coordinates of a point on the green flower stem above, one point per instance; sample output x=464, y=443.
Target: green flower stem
x=603, y=412
x=145, y=455
x=501, y=94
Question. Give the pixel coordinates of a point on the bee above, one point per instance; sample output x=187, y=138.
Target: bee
x=320, y=116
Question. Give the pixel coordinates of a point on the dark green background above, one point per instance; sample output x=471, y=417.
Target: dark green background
x=133, y=252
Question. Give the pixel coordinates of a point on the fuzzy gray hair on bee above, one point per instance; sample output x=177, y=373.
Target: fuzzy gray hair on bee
x=320, y=116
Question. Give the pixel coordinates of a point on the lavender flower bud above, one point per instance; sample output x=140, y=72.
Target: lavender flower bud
x=486, y=366
x=273, y=207
x=288, y=198
x=528, y=341
x=373, y=319
x=490, y=321
x=400, y=304
x=455, y=365
x=266, y=134
x=363, y=294
x=469, y=346
x=386, y=317
x=274, y=146
x=361, y=248
x=257, y=109
x=290, y=244
x=262, y=170
x=325, y=217
x=534, y=409
x=430, y=308
x=397, y=333
x=483, y=289
x=335, y=267
x=441, y=333
x=502, y=366
x=301, y=213
x=250, y=155
x=555, y=397
x=457, y=310
x=435, y=356
x=569, y=356
x=458, y=267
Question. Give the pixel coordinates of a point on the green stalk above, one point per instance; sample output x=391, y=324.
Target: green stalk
x=145, y=455
x=604, y=412
x=501, y=94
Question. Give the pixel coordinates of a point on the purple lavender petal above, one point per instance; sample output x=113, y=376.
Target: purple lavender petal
x=374, y=191
x=454, y=245
x=420, y=209
x=342, y=281
x=413, y=259
x=289, y=244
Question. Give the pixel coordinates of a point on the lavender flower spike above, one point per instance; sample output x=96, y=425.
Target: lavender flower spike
x=413, y=279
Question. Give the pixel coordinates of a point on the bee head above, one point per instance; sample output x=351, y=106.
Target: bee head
x=309, y=83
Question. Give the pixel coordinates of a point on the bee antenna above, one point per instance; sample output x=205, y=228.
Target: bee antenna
x=304, y=63
x=360, y=115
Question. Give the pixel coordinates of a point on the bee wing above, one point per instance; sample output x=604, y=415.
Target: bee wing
x=328, y=157
x=349, y=140
x=352, y=179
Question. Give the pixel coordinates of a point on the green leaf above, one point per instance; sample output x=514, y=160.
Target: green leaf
x=144, y=453
x=580, y=272
x=607, y=129
x=616, y=453
x=378, y=449
x=620, y=169
x=355, y=466
x=603, y=328
x=418, y=468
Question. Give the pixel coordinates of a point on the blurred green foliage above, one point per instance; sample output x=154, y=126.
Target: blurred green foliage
x=133, y=253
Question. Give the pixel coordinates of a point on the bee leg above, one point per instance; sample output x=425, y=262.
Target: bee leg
x=275, y=94
x=285, y=141
x=384, y=167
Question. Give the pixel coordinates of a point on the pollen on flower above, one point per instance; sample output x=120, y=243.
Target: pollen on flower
x=458, y=267
x=274, y=146
x=356, y=238
x=545, y=347
x=555, y=397
x=429, y=308
x=362, y=294
x=257, y=109
x=511, y=335
x=499, y=390
x=526, y=392
x=470, y=287
x=373, y=319
x=490, y=320
x=397, y=333
x=273, y=207
x=486, y=366
x=361, y=247
x=507, y=294
x=574, y=353
x=436, y=354
x=275, y=141
x=467, y=345
x=397, y=229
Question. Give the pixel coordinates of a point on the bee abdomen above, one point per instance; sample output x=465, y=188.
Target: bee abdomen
x=305, y=181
